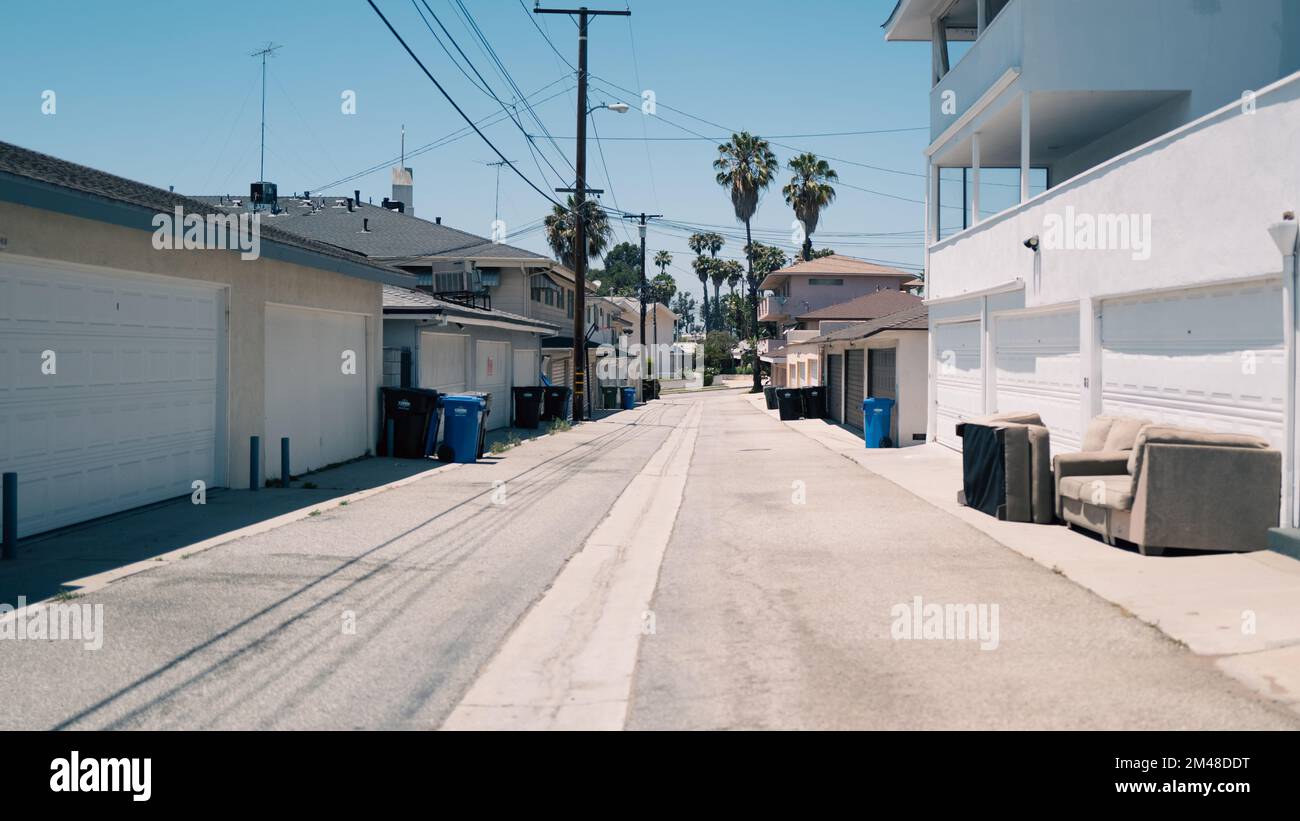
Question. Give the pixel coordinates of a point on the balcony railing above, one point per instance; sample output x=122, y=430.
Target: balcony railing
x=772, y=309
x=999, y=48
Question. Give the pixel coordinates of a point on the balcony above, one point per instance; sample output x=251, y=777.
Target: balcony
x=771, y=347
x=796, y=337
x=772, y=309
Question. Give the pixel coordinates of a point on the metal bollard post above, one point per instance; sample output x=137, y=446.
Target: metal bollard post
x=285, y=475
x=9, y=550
x=254, y=461
x=389, y=436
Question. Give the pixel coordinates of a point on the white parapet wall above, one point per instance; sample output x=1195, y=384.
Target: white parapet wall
x=1200, y=197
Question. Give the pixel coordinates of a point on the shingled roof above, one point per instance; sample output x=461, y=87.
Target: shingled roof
x=399, y=302
x=916, y=318
x=391, y=235
x=870, y=306
x=833, y=265
x=132, y=203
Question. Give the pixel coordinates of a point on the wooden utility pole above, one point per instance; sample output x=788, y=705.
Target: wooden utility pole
x=580, y=192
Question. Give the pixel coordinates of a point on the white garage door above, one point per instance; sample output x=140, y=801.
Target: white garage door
x=443, y=362
x=492, y=375
x=124, y=411
x=316, y=393
x=1038, y=371
x=526, y=368
x=559, y=370
x=1205, y=357
x=958, y=390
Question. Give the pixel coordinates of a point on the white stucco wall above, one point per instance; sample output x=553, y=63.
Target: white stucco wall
x=248, y=285
x=1210, y=191
x=1214, y=50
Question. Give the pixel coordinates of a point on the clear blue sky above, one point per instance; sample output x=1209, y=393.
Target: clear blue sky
x=165, y=92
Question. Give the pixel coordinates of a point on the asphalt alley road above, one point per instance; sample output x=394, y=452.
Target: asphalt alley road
x=691, y=564
x=774, y=614
x=253, y=634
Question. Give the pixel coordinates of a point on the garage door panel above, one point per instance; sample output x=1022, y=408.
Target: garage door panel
x=444, y=362
x=1038, y=370
x=104, y=431
x=959, y=391
x=309, y=396
x=855, y=376
x=1208, y=357
x=835, y=385
x=492, y=376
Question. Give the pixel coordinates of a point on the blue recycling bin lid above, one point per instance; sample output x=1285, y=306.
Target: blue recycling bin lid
x=877, y=404
x=463, y=404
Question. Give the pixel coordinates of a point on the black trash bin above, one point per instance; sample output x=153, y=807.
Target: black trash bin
x=789, y=401
x=814, y=402
x=483, y=424
x=528, y=406
x=769, y=396
x=609, y=395
x=414, y=413
x=555, y=403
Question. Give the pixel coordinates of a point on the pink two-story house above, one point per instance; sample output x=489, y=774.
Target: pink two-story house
x=804, y=288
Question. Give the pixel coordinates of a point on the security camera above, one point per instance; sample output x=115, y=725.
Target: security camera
x=1032, y=243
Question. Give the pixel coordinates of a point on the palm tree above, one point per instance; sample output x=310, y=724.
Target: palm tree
x=662, y=260
x=746, y=166
x=699, y=243
x=808, y=192
x=561, y=231
x=734, y=272
x=703, y=266
x=718, y=273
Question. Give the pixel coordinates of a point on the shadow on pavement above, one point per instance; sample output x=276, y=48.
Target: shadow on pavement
x=48, y=562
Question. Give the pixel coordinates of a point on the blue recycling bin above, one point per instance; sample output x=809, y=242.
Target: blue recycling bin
x=462, y=418
x=629, y=398
x=875, y=421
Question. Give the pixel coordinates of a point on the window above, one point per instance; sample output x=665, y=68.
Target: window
x=824, y=281
x=453, y=281
x=569, y=310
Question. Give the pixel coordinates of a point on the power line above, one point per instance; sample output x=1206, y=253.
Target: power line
x=458, y=109
x=486, y=86
x=769, y=139
x=636, y=73
x=447, y=139
x=486, y=46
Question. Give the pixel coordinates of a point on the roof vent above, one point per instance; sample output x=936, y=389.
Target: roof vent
x=437, y=220
x=365, y=226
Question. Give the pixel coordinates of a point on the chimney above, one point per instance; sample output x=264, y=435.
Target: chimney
x=403, y=189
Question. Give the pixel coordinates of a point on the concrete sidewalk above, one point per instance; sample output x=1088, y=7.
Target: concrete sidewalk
x=87, y=556
x=1241, y=609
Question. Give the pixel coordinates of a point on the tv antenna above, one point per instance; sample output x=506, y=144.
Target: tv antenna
x=266, y=51
x=498, y=163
